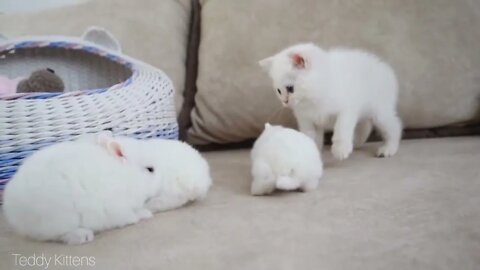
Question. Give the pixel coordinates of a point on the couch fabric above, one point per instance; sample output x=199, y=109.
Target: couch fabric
x=431, y=44
x=155, y=32
x=416, y=210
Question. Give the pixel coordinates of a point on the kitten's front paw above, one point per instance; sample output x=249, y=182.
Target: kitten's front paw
x=387, y=151
x=341, y=150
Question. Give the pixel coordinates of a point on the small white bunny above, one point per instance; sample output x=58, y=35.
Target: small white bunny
x=284, y=159
x=70, y=190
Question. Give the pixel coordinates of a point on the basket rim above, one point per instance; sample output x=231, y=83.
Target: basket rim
x=68, y=43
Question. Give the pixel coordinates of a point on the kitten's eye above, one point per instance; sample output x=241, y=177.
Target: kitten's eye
x=279, y=91
x=290, y=89
x=150, y=169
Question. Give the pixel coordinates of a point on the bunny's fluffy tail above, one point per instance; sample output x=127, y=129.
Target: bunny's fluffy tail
x=287, y=183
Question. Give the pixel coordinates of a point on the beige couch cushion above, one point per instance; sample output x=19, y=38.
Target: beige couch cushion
x=433, y=45
x=155, y=32
x=416, y=210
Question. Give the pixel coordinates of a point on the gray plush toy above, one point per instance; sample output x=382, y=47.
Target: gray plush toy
x=44, y=80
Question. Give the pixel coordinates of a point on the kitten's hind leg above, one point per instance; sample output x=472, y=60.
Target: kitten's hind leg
x=390, y=127
x=362, y=132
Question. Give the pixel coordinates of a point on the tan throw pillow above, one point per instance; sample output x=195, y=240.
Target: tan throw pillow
x=152, y=31
x=433, y=46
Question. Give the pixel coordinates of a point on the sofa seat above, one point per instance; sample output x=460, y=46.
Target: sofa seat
x=417, y=210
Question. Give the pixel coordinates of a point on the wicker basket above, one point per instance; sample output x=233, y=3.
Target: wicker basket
x=104, y=90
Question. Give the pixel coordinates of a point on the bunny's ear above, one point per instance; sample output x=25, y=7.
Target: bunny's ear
x=266, y=63
x=105, y=140
x=115, y=148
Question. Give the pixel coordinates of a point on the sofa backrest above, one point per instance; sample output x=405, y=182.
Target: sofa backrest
x=431, y=44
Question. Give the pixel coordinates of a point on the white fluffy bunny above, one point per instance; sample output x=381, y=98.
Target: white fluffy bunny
x=70, y=190
x=284, y=159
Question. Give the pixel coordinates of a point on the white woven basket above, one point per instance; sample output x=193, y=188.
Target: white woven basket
x=104, y=90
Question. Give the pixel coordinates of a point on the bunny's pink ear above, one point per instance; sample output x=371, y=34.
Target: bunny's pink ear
x=113, y=147
x=298, y=61
x=116, y=149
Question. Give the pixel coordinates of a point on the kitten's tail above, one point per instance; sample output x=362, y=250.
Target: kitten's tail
x=287, y=183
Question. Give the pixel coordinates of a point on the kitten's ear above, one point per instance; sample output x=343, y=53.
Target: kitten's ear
x=298, y=61
x=266, y=63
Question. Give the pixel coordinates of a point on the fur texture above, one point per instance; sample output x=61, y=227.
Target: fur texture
x=344, y=90
x=69, y=191
x=184, y=172
x=284, y=159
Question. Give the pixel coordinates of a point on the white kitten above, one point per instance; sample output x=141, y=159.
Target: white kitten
x=285, y=159
x=342, y=89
